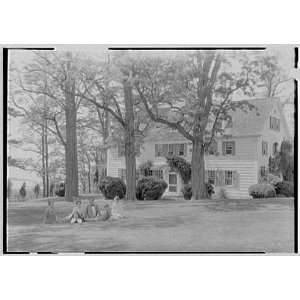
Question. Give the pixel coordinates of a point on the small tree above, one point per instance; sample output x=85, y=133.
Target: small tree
x=22, y=191
x=283, y=162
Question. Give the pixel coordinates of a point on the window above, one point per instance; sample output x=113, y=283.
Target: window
x=228, y=177
x=275, y=148
x=121, y=149
x=181, y=149
x=170, y=149
x=274, y=123
x=228, y=148
x=213, y=148
x=229, y=123
x=264, y=148
x=211, y=176
x=122, y=174
x=157, y=173
x=161, y=150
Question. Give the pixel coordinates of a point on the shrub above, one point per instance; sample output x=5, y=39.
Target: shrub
x=285, y=188
x=187, y=191
x=271, y=179
x=111, y=187
x=150, y=188
x=262, y=190
x=60, y=192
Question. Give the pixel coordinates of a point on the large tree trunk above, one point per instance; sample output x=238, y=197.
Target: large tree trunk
x=129, y=142
x=198, y=170
x=46, y=161
x=71, y=141
x=43, y=161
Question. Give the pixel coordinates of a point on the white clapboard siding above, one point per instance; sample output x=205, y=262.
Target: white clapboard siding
x=247, y=169
x=247, y=172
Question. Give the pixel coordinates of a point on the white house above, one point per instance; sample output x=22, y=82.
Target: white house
x=241, y=155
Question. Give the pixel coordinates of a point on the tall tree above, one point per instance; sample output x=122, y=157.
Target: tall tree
x=57, y=76
x=192, y=94
x=110, y=90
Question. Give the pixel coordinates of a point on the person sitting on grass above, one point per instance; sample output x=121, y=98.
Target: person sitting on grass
x=92, y=210
x=76, y=215
x=104, y=213
x=50, y=213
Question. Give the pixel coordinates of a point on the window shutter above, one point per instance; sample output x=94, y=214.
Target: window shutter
x=222, y=178
x=156, y=150
x=233, y=148
x=219, y=178
x=165, y=149
x=235, y=179
x=206, y=176
x=223, y=148
x=185, y=149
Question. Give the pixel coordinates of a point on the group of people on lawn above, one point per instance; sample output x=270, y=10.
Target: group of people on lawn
x=92, y=212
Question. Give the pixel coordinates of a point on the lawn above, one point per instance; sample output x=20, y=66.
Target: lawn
x=165, y=225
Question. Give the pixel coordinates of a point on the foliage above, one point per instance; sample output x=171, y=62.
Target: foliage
x=36, y=190
x=22, y=191
x=150, y=188
x=13, y=162
x=111, y=187
x=181, y=166
x=283, y=161
x=145, y=168
x=262, y=190
x=196, y=90
x=60, y=192
x=285, y=188
x=271, y=179
x=187, y=191
x=9, y=188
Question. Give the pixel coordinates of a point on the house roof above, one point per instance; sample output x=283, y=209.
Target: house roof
x=243, y=123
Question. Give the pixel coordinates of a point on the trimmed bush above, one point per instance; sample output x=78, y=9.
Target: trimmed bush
x=271, y=179
x=111, y=187
x=150, y=188
x=187, y=191
x=285, y=188
x=262, y=190
x=60, y=192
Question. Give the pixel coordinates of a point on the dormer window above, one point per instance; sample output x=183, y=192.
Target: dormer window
x=274, y=123
x=229, y=123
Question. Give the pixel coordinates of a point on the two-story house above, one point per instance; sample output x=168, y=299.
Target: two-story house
x=237, y=160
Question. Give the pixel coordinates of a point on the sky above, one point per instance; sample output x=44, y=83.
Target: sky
x=22, y=57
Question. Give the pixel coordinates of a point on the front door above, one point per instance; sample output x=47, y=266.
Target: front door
x=173, y=183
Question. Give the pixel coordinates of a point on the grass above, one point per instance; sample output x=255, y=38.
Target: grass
x=165, y=226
